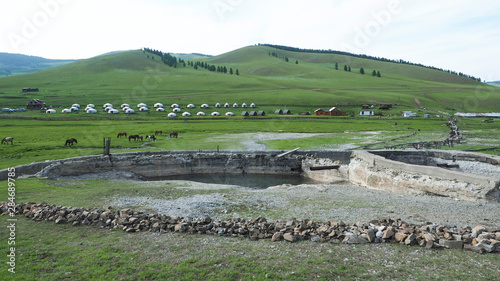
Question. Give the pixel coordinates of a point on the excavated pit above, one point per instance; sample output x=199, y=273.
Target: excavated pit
x=460, y=175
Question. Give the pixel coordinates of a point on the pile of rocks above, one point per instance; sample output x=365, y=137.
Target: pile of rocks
x=478, y=239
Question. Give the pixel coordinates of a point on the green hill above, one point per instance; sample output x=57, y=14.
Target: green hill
x=14, y=64
x=307, y=81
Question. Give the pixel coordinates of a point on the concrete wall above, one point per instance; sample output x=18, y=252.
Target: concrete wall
x=396, y=171
x=374, y=171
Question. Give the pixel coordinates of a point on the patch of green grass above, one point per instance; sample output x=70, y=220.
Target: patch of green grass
x=46, y=251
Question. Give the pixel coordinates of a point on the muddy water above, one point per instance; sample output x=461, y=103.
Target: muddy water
x=246, y=180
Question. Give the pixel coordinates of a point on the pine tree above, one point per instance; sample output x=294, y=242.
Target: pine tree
x=378, y=74
x=362, y=71
x=336, y=66
x=296, y=62
x=345, y=67
x=231, y=71
x=374, y=73
x=349, y=69
x=237, y=72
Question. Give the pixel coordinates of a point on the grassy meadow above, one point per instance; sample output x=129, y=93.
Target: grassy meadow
x=60, y=252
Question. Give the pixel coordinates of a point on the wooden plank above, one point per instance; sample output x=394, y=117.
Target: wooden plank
x=288, y=152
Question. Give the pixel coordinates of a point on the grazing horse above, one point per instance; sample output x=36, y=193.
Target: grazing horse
x=70, y=142
x=151, y=137
x=158, y=133
x=7, y=139
x=135, y=137
x=122, y=134
x=174, y=133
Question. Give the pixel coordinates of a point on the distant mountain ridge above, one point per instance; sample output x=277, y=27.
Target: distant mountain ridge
x=12, y=64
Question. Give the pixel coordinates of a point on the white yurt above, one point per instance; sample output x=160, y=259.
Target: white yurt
x=76, y=105
x=226, y=105
x=143, y=109
x=174, y=105
x=235, y=105
x=66, y=110
x=176, y=110
x=107, y=105
x=129, y=111
x=73, y=109
x=253, y=105
x=190, y=105
x=141, y=105
x=91, y=105
x=204, y=105
x=172, y=115
x=217, y=105
x=125, y=108
x=244, y=105
x=113, y=111
x=229, y=114
x=215, y=113
x=201, y=113
x=50, y=111
x=91, y=111
x=186, y=114
x=107, y=109
x=125, y=105
x=160, y=109
x=158, y=105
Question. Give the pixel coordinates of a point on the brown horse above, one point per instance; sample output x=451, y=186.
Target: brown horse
x=70, y=142
x=135, y=137
x=151, y=137
x=158, y=133
x=122, y=134
x=174, y=133
x=7, y=139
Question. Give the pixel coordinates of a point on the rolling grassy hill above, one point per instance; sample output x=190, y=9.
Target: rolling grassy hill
x=306, y=82
x=14, y=64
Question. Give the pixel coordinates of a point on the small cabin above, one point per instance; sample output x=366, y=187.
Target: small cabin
x=278, y=111
x=321, y=112
x=287, y=111
x=252, y=113
x=36, y=104
x=244, y=113
x=261, y=113
x=334, y=111
x=367, y=113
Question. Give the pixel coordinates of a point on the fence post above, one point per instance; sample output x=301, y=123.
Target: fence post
x=107, y=145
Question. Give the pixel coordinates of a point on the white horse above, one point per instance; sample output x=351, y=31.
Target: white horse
x=7, y=139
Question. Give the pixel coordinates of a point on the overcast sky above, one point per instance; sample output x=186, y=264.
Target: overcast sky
x=460, y=35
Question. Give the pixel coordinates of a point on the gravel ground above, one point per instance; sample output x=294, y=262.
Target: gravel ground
x=321, y=202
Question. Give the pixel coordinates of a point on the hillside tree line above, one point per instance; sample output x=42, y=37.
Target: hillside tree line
x=293, y=49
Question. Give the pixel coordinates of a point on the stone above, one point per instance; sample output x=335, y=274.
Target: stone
x=451, y=244
x=289, y=237
x=316, y=238
x=278, y=236
x=388, y=234
x=399, y=237
x=355, y=239
x=370, y=235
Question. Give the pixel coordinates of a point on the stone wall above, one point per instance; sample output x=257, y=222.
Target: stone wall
x=478, y=239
